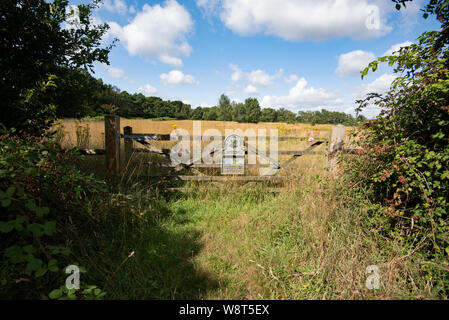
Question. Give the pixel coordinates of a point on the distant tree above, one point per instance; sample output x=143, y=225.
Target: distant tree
x=181, y=110
x=286, y=116
x=252, y=110
x=268, y=115
x=197, y=113
x=211, y=113
x=225, y=109
x=239, y=113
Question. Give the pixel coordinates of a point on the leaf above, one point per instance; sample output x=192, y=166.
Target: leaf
x=34, y=264
x=31, y=205
x=6, y=227
x=36, y=229
x=41, y=211
x=52, y=265
x=55, y=294
x=10, y=191
x=15, y=254
x=398, y=6
x=445, y=175
x=40, y=272
x=6, y=203
x=49, y=228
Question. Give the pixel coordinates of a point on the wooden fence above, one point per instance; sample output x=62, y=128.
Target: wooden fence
x=113, y=137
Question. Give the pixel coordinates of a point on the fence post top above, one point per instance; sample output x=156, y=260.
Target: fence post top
x=111, y=116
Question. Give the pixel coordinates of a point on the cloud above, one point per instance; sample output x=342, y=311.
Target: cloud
x=291, y=78
x=118, y=6
x=176, y=77
x=157, y=32
x=298, y=20
x=396, y=47
x=259, y=78
x=116, y=73
x=208, y=6
x=302, y=96
x=237, y=73
x=147, y=89
x=351, y=63
x=250, y=89
x=379, y=85
x=254, y=79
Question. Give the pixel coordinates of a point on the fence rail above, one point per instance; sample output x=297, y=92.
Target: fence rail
x=112, y=152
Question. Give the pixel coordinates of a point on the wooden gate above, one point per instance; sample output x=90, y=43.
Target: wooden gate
x=113, y=136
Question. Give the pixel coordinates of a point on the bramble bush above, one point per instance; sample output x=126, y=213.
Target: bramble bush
x=40, y=191
x=403, y=155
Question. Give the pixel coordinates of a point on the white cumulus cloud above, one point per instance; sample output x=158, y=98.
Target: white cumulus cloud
x=118, y=6
x=147, y=89
x=396, y=47
x=254, y=79
x=302, y=19
x=351, y=63
x=157, y=32
x=301, y=96
x=291, y=78
x=250, y=89
x=116, y=73
x=259, y=78
x=380, y=85
x=176, y=77
x=237, y=73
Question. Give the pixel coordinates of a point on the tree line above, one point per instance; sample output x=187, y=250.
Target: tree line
x=95, y=98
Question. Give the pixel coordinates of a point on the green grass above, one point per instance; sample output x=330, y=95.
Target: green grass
x=236, y=242
x=231, y=241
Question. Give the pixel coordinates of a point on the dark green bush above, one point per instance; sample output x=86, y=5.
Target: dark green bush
x=403, y=158
x=41, y=193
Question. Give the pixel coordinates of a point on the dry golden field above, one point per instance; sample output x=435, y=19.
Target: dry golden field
x=96, y=128
x=90, y=134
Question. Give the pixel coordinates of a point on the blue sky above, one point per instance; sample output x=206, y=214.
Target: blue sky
x=296, y=54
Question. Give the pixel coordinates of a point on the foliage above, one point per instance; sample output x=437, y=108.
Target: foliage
x=89, y=293
x=225, y=109
x=404, y=153
x=41, y=42
x=40, y=190
x=329, y=117
x=438, y=8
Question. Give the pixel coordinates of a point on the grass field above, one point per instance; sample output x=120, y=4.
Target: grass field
x=234, y=241
x=95, y=129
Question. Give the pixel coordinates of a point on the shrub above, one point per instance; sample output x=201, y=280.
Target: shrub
x=403, y=158
x=40, y=192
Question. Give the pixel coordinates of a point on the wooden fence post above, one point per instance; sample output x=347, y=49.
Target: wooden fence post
x=112, y=138
x=337, y=139
x=128, y=143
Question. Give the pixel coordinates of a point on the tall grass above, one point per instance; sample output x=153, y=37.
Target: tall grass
x=233, y=241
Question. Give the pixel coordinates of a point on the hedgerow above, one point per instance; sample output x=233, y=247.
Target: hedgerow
x=403, y=156
x=41, y=193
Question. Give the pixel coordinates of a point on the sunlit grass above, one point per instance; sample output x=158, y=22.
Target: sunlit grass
x=307, y=240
